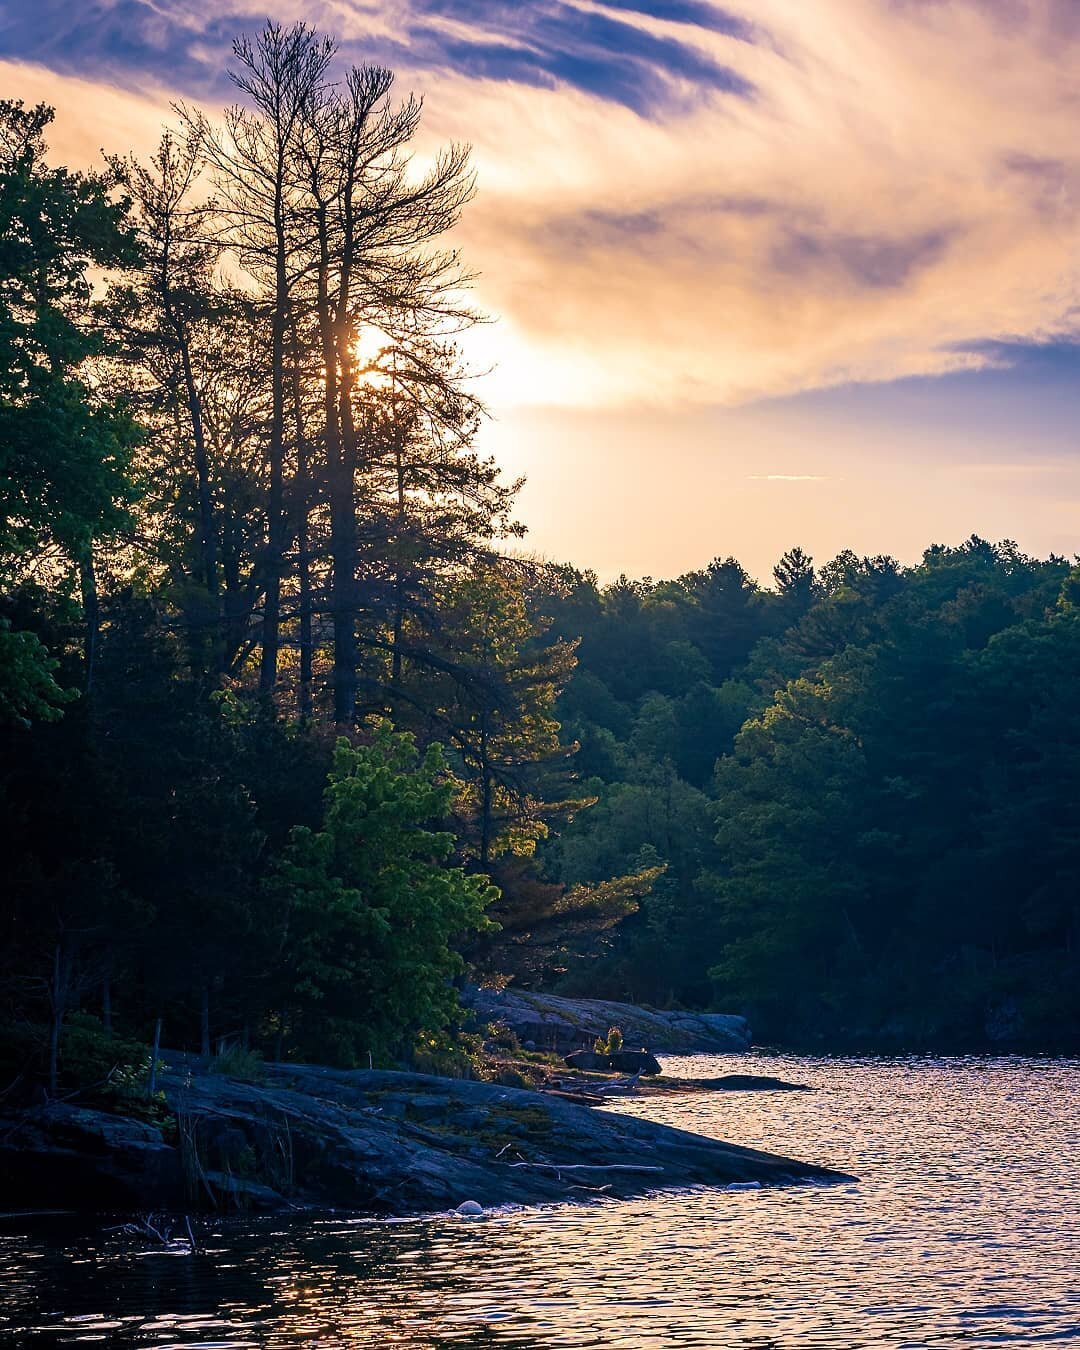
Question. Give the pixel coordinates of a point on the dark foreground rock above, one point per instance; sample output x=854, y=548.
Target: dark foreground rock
x=565, y=1024
x=309, y=1137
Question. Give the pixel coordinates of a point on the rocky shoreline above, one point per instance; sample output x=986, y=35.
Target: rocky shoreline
x=306, y=1137
x=549, y=1022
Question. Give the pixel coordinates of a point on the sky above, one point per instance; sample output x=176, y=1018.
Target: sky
x=767, y=272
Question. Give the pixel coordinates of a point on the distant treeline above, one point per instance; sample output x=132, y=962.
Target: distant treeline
x=290, y=741
x=864, y=785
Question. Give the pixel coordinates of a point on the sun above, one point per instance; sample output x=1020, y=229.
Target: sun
x=372, y=352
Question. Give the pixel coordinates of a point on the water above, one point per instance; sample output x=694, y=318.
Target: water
x=963, y=1231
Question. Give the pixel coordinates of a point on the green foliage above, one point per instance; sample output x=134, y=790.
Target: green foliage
x=863, y=813
x=457, y=1054
x=611, y=1045
x=218, y=551
x=90, y=1057
x=496, y=707
x=28, y=688
x=65, y=453
x=110, y=1073
x=372, y=906
x=236, y=1062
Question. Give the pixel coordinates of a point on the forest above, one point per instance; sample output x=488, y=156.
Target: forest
x=296, y=736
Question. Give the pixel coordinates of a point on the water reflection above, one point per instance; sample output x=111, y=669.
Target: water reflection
x=964, y=1228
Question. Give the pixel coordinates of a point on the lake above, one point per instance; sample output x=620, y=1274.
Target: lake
x=964, y=1230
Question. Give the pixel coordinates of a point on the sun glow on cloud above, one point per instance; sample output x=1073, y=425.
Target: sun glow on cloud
x=700, y=202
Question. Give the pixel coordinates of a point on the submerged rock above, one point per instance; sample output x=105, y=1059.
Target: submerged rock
x=334, y=1139
x=749, y=1082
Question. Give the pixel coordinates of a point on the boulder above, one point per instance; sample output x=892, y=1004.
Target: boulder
x=588, y=1061
x=634, y=1061
x=619, y=1061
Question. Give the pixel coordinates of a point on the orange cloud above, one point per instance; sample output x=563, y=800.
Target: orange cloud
x=900, y=186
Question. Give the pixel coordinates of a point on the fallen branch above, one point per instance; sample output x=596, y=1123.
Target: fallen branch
x=589, y=1167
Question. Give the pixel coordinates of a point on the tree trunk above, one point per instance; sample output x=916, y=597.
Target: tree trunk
x=106, y=1005
x=155, y=1052
x=207, y=542
x=206, y=551
x=485, y=797
x=303, y=559
x=57, y=1008
x=275, y=505
x=91, y=613
x=343, y=536
x=204, y=1021
x=399, y=571
x=340, y=486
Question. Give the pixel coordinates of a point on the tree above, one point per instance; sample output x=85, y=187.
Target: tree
x=370, y=226
x=372, y=908
x=796, y=583
x=65, y=451
x=495, y=705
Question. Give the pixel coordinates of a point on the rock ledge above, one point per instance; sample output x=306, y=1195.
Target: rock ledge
x=564, y=1024
x=390, y=1143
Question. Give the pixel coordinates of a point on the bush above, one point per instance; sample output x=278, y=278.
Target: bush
x=236, y=1062
x=612, y=1045
x=448, y=1056
x=23, y=1052
x=91, y=1058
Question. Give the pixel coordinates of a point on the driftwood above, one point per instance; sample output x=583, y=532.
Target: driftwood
x=591, y=1090
x=157, y=1228
x=589, y=1167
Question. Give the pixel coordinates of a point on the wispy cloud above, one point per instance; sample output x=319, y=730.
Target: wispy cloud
x=641, y=55
x=687, y=201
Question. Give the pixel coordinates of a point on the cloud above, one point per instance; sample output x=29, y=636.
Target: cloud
x=899, y=193
x=605, y=49
x=91, y=116
x=683, y=201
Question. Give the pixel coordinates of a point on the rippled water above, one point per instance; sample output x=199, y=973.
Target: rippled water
x=964, y=1230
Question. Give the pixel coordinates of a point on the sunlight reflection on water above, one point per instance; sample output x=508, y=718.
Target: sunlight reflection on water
x=964, y=1229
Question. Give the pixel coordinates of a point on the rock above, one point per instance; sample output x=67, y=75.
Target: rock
x=319, y=1138
x=619, y=1061
x=75, y=1158
x=565, y=1024
x=634, y=1061
x=588, y=1061
x=236, y=1193
x=469, y=1208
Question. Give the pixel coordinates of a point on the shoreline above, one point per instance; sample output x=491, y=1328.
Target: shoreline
x=309, y=1138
